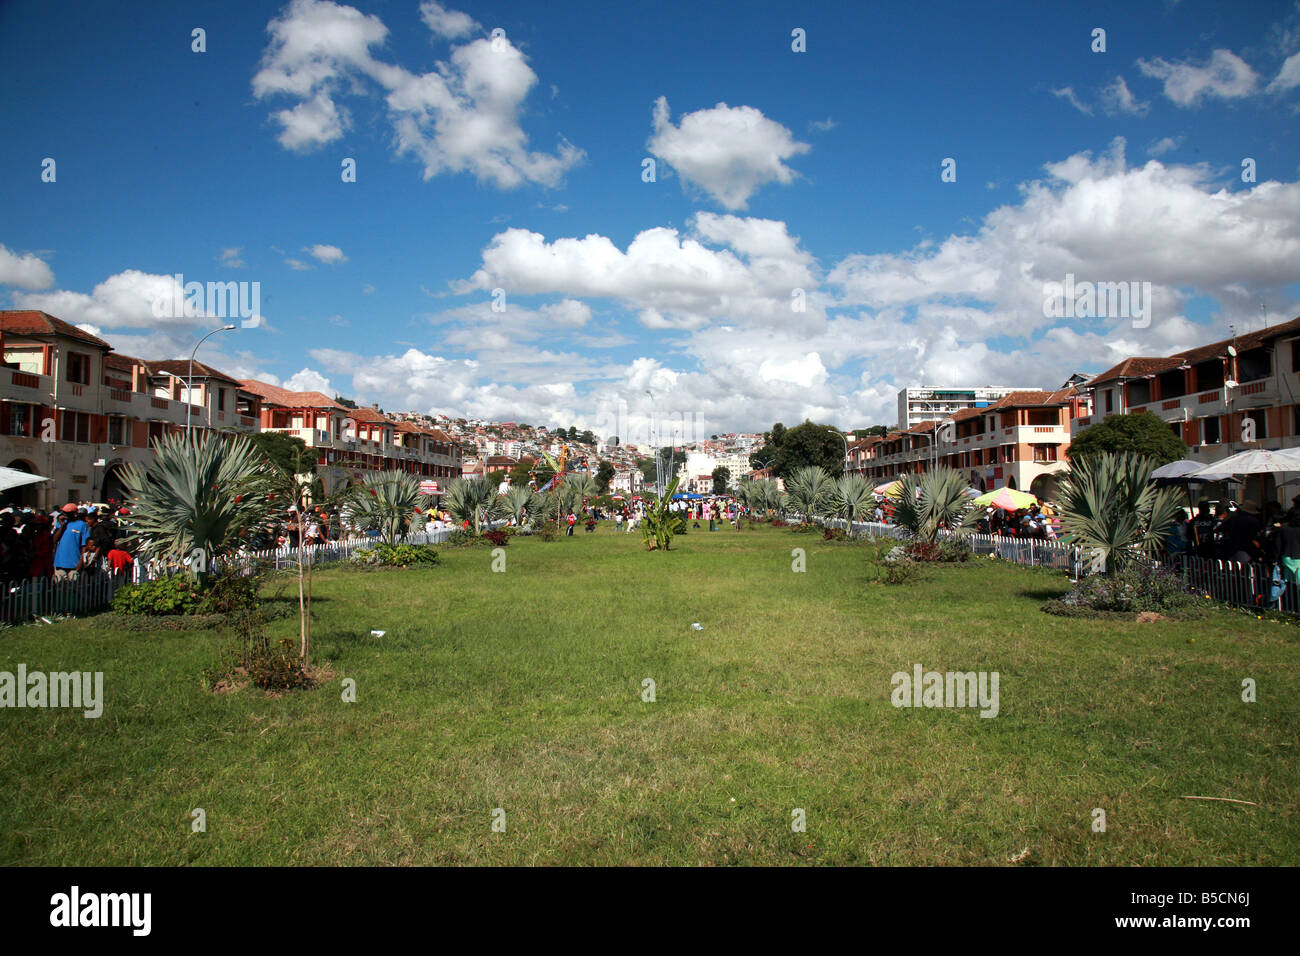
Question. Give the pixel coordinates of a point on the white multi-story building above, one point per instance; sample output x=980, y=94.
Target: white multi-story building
x=934, y=403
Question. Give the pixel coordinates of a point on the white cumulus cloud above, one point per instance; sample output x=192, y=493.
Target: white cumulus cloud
x=462, y=116
x=729, y=152
x=1226, y=76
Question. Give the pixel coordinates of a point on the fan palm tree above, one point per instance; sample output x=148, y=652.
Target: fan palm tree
x=518, y=501
x=575, y=487
x=811, y=491
x=934, y=501
x=385, y=501
x=197, y=495
x=473, y=499
x=1109, y=509
x=853, y=499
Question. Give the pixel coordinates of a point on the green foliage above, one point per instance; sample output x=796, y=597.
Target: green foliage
x=474, y=500
x=387, y=502
x=287, y=452
x=1110, y=511
x=803, y=446
x=660, y=522
x=519, y=500
x=1139, y=586
x=279, y=669
x=174, y=594
x=198, y=494
x=550, y=531
x=604, y=475
x=181, y=594
x=721, y=478
x=1137, y=433
x=853, y=498
x=942, y=551
x=397, y=555
x=811, y=491
x=934, y=501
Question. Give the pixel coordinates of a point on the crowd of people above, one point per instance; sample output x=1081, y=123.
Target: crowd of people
x=74, y=541
x=1241, y=532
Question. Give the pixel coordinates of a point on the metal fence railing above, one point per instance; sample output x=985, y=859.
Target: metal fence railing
x=1243, y=584
x=36, y=598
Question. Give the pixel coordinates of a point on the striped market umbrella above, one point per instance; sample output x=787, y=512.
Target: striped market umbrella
x=1008, y=499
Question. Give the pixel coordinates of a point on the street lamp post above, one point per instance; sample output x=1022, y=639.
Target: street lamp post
x=189, y=382
x=844, y=438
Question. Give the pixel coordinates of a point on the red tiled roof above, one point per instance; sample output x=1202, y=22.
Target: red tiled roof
x=181, y=369
x=122, y=362
x=33, y=322
x=370, y=416
x=1140, y=366
x=1135, y=367
x=274, y=395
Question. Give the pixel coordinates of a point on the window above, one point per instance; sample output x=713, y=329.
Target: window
x=76, y=427
x=20, y=420
x=116, y=430
x=1295, y=355
x=79, y=368
x=221, y=399
x=1210, y=430
x=1261, y=423
x=1044, y=453
x=1110, y=401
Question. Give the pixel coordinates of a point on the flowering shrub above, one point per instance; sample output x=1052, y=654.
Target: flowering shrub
x=938, y=550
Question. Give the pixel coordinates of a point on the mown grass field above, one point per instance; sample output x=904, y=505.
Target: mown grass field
x=522, y=691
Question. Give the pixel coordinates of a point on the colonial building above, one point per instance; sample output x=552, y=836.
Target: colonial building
x=1222, y=398
x=1021, y=441
x=76, y=412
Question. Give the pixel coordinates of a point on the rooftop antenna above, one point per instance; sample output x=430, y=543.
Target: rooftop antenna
x=1263, y=312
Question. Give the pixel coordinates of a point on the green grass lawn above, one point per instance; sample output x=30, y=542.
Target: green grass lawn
x=523, y=690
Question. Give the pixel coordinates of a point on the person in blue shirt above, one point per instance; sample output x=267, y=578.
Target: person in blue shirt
x=69, y=542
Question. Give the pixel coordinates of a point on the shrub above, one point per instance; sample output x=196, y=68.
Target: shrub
x=230, y=593
x=778, y=523
x=499, y=538
x=279, y=669
x=396, y=555
x=945, y=551
x=834, y=534
x=176, y=594
x=806, y=527
x=897, y=572
x=550, y=531
x=1139, y=586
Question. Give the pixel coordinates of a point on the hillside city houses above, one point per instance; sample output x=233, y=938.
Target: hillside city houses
x=76, y=411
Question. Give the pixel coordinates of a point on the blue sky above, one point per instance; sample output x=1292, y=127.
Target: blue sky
x=517, y=164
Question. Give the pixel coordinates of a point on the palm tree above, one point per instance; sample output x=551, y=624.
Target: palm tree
x=385, y=501
x=197, y=495
x=575, y=487
x=473, y=499
x=853, y=498
x=935, y=501
x=518, y=501
x=1109, y=509
x=811, y=491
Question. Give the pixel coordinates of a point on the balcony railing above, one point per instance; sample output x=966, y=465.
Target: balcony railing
x=26, y=379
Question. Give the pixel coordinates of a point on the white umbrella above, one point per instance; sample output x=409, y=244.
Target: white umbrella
x=13, y=478
x=1253, y=462
x=1180, y=472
